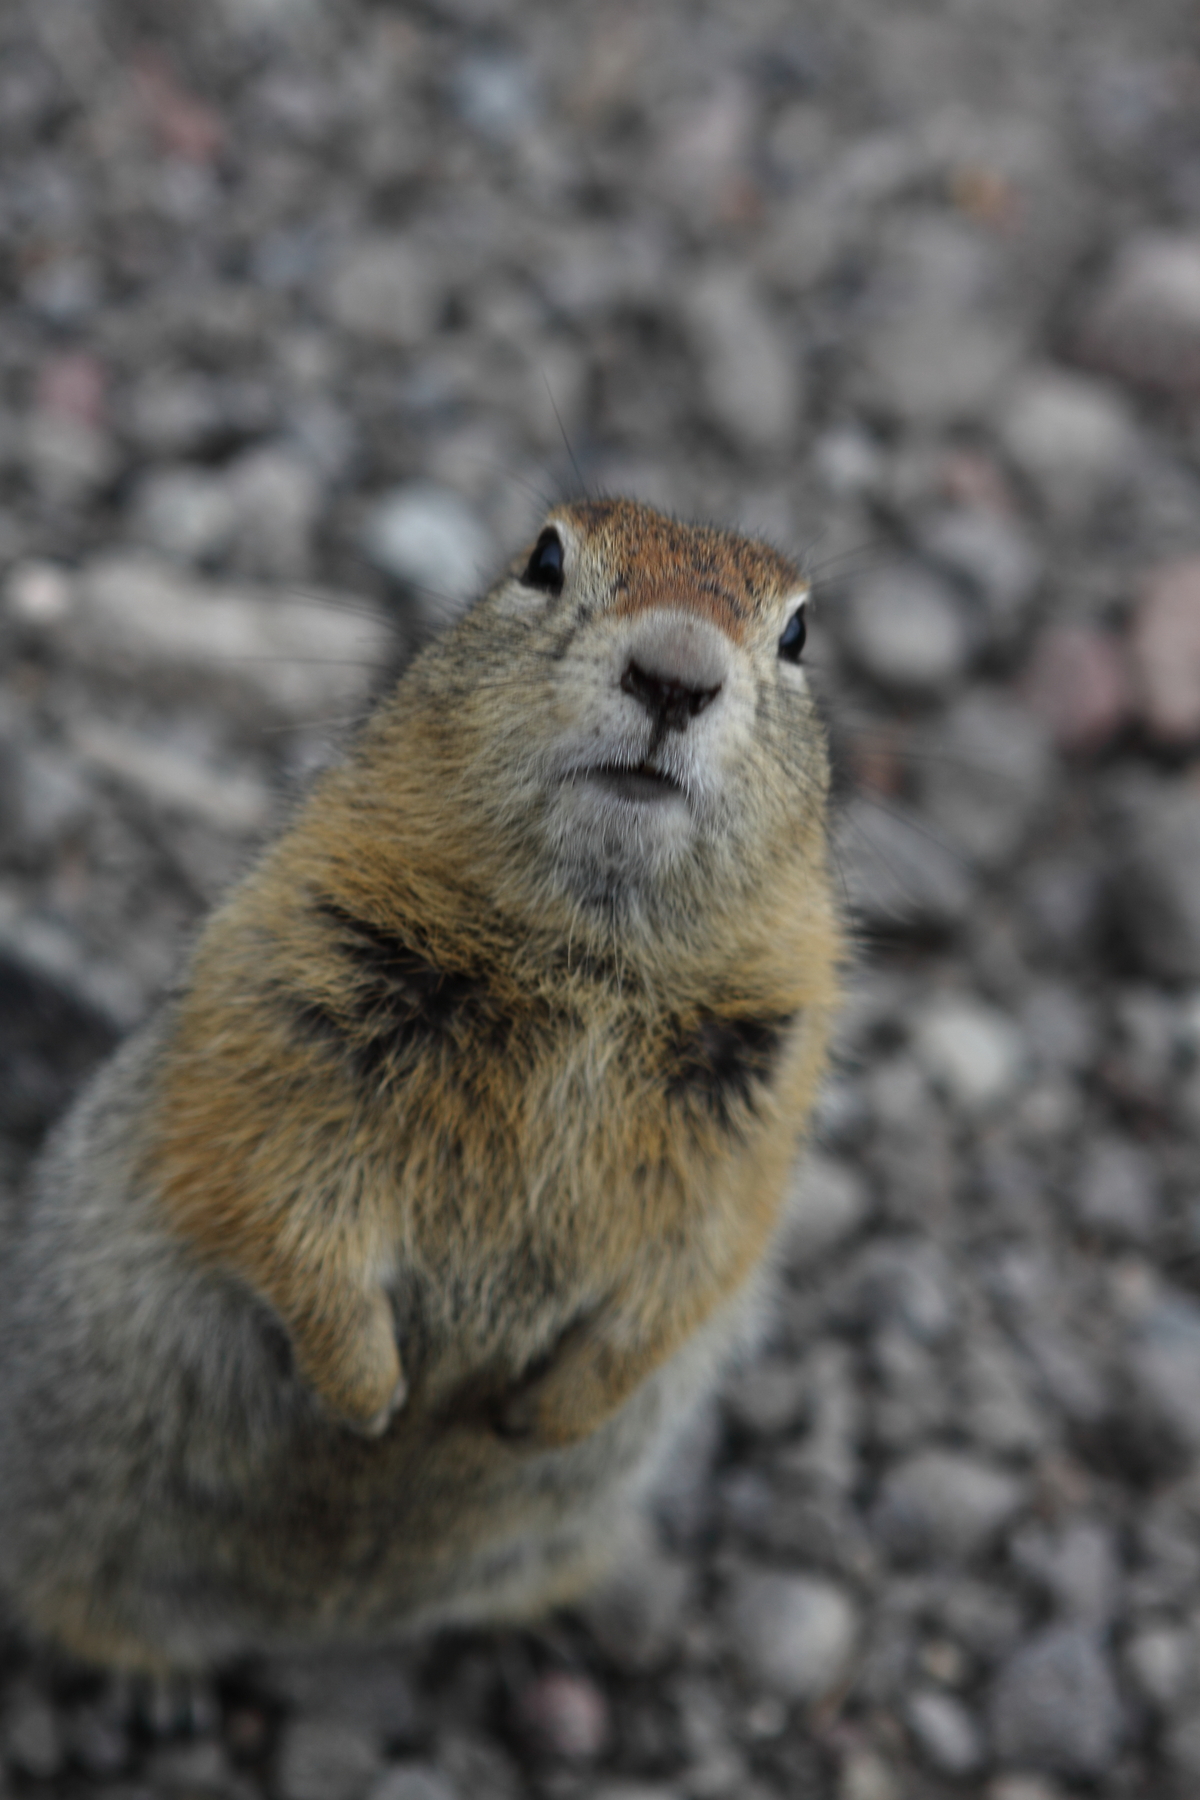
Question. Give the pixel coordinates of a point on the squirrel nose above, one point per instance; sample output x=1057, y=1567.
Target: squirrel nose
x=669, y=701
x=674, y=665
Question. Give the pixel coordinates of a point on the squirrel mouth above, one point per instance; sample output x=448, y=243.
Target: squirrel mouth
x=642, y=784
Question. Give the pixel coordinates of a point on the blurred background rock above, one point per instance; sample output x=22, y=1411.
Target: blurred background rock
x=308, y=308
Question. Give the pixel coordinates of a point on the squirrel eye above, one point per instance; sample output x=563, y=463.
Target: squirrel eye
x=545, y=567
x=794, y=633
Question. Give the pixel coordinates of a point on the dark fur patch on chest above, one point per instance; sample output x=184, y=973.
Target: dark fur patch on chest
x=397, y=1001
x=721, y=1061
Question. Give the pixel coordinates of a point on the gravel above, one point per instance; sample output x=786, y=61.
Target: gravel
x=943, y=1504
x=905, y=630
x=311, y=309
x=795, y=1634
x=1143, y=323
x=1054, y=1705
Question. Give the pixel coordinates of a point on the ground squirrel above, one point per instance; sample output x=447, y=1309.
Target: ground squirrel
x=365, y=1286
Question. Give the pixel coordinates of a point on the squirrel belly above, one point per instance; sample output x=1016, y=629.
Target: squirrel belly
x=367, y=1284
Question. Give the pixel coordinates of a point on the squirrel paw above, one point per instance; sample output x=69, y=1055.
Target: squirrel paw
x=347, y=1353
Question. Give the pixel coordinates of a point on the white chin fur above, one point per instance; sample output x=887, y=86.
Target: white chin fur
x=603, y=841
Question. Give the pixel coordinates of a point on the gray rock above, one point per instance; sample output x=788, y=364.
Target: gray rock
x=68, y=459
x=1161, y=1660
x=1165, y=643
x=1023, y=1787
x=1182, y=1748
x=992, y=558
x=1060, y=1027
x=382, y=290
x=972, y=1052
x=138, y=617
x=327, y=1759
x=1071, y=437
x=637, y=1615
x=828, y=1452
x=197, y=1768
x=29, y=1732
x=412, y=1781
x=1116, y=1191
x=944, y=1732
x=43, y=795
x=1055, y=1706
x=1077, y=1566
x=906, y=1282
x=945, y=1505
x=494, y=93
x=1157, y=874
x=428, y=538
x=373, y=1692
x=911, y=1401
x=562, y=1714
x=275, y=500
x=897, y=875
x=931, y=368
x=1164, y=1363
x=998, y=1409
x=38, y=593
x=866, y=1776
x=187, y=513
x=475, y=1765
x=904, y=628
x=748, y=370
x=984, y=774
x=1143, y=324
x=769, y=1397
x=794, y=1633
x=635, y=1790
x=830, y=1201
x=983, y=1618
x=172, y=780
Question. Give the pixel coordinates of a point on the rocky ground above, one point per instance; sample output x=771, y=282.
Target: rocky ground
x=300, y=302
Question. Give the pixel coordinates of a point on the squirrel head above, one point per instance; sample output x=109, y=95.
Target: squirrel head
x=622, y=724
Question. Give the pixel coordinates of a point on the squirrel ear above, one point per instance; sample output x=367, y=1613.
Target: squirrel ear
x=344, y=1342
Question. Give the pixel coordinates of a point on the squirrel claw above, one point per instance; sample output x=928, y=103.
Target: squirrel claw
x=377, y=1423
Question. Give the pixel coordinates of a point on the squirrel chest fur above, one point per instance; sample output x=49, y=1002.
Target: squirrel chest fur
x=366, y=1285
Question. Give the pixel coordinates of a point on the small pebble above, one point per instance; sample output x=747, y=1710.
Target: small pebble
x=29, y=1732
x=748, y=368
x=945, y=1505
x=428, y=538
x=381, y=290
x=796, y=1634
x=1071, y=437
x=1165, y=650
x=564, y=1715
x=904, y=628
x=327, y=1759
x=972, y=1052
x=1054, y=1705
x=1078, y=683
x=944, y=1732
x=1143, y=322
x=412, y=1781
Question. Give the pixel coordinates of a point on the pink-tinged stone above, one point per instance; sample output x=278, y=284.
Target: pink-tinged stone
x=1165, y=641
x=1144, y=323
x=184, y=125
x=1078, y=683
x=72, y=386
x=563, y=1715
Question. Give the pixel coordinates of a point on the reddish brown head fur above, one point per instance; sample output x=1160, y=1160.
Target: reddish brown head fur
x=651, y=560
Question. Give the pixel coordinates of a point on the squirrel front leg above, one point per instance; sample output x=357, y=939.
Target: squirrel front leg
x=589, y=1379
x=343, y=1337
